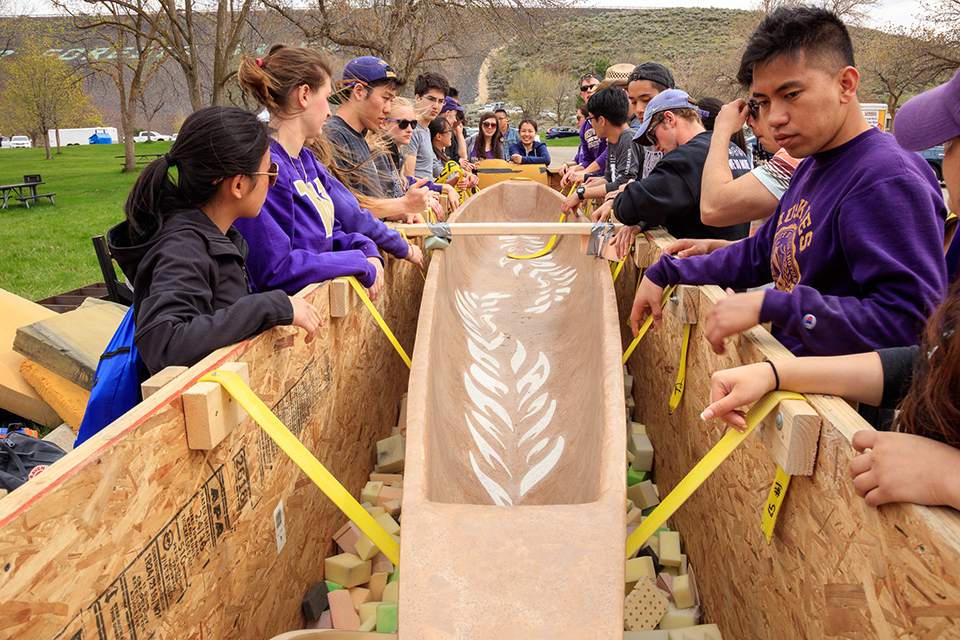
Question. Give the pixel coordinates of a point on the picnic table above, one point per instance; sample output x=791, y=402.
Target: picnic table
x=140, y=158
x=24, y=192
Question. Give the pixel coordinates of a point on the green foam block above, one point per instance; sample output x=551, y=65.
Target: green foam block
x=635, y=477
x=333, y=586
x=647, y=511
x=395, y=576
x=387, y=617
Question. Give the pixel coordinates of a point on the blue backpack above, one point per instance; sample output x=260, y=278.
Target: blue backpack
x=116, y=385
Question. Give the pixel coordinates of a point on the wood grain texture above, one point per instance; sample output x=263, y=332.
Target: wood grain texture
x=70, y=344
x=16, y=394
x=140, y=536
x=836, y=568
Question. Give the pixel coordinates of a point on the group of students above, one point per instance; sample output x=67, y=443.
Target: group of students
x=849, y=227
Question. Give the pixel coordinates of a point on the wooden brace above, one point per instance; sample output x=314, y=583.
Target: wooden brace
x=154, y=383
x=685, y=303
x=342, y=297
x=210, y=413
x=793, y=444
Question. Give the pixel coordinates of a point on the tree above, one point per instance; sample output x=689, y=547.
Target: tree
x=562, y=97
x=532, y=90
x=856, y=12
x=189, y=32
x=43, y=93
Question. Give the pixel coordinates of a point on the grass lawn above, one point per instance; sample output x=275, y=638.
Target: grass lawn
x=573, y=141
x=46, y=249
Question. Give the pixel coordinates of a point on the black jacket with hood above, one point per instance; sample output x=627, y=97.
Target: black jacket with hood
x=190, y=291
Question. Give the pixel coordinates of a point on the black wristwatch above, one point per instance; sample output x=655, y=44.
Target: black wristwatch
x=581, y=190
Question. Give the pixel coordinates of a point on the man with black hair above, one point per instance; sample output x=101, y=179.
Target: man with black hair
x=508, y=135
x=609, y=113
x=429, y=93
x=670, y=195
x=855, y=245
x=591, y=145
x=647, y=81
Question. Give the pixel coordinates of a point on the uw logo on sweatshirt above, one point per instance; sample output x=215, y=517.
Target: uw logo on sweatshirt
x=790, y=240
x=317, y=195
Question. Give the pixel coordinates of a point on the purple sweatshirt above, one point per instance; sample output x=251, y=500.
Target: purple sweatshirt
x=299, y=239
x=855, y=249
x=592, y=147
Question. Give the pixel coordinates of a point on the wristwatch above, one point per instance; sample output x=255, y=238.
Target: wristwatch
x=581, y=190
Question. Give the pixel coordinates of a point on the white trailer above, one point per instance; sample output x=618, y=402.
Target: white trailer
x=70, y=137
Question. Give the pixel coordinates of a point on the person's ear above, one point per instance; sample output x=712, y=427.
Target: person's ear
x=303, y=93
x=234, y=187
x=849, y=80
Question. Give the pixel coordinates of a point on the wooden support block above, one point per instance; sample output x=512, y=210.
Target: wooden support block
x=342, y=613
x=644, y=607
x=445, y=203
x=342, y=297
x=791, y=434
x=347, y=570
x=154, y=383
x=390, y=454
x=66, y=398
x=211, y=413
x=685, y=303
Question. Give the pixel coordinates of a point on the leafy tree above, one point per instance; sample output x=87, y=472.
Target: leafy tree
x=42, y=93
x=532, y=91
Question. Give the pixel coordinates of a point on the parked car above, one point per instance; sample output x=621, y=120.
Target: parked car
x=20, y=142
x=147, y=136
x=470, y=131
x=934, y=157
x=174, y=137
x=4, y=142
x=562, y=132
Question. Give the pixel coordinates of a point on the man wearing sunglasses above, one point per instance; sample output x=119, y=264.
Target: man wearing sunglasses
x=429, y=96
x=591, y=145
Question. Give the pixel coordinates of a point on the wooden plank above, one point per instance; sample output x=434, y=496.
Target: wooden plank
x=836, y=567
x=71, y=344
x=685, y=303
x=791, y=436
x=507, y=228
x=210, y=413
x=16, y=394
x=134, y=533
x=154, y=383
x=343, y=298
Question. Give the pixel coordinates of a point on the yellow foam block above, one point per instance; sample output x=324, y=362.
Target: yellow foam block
x=360, y=596
x=368, y=610
x=391, y=592
x=630, y=457
x=638, y=568
x=644, y=607
x=637, y=427
x=644, y=494
x=397, y=484
x=630, y=505
x=377, y=582
x=374, y=511
x=654, y=544
x=682, y=594
x=389, y=524
x=385, y=478
x=656, y=634
x=366, y=550
x=370, y=624
x=370, y=492
x=699, y=632
x=670, y=548
x=68, y=399
x=676, y=618
x=346, y=569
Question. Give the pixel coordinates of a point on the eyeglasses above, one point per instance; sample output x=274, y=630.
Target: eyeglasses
x=403, y=124
x=432, y=99
x=754, y=107
x=650, y=135
x=272, y=174
x=587, y=87
x=488, y=124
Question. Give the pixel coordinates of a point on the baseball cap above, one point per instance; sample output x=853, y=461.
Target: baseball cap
x=665, y=101
x=653, y=71
x=363, y=70
x=449, y=104
x=930, y=118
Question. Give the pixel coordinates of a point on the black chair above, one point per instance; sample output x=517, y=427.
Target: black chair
x=117, y=291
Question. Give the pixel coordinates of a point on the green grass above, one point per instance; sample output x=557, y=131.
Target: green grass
x=572, y=141
x=46, y=249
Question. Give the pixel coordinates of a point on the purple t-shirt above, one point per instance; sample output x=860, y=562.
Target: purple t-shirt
x=855, y=249
x=298, y=238
x=593, y=148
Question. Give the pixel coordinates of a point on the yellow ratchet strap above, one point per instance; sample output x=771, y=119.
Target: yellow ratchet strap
x=778, y=491
x=619, y=268
x=403, y=234
x=542, y=252
x=646, y=325
x=376, y=316
x=682, y=374
x=302, y=457
x=730, y=441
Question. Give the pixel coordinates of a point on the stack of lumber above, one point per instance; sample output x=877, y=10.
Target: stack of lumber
x=48, y=360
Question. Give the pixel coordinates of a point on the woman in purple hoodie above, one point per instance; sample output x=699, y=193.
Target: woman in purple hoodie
x=311, y=227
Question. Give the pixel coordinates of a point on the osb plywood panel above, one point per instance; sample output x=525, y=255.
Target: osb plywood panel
x=135, y=536
x=16, y=394
x=836, y=568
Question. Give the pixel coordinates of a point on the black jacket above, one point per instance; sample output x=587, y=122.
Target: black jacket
x=670, y=195
x=190, y=291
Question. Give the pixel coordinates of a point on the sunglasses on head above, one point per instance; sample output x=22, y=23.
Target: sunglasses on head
x=403, y=124
x=272, y=173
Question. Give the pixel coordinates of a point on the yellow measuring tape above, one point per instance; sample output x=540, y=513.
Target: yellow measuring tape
x=778, y=492
x=730, y=441
x=646, y=325
x=376, y=316
x=542, y=252
x=306, y=461
x=682, y=374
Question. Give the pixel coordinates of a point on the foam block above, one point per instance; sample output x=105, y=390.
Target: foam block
x=66, y=398
x=642, y=449
x=634, y=516
x=390, y=525
x=644, y=607
x=391, y=592
x=392, y=507
x=387, y=617
x=369, y=625
x=676, y=618
x=634, y=476
x=637, y=427
x=373, y=511
x=656, y=634
x=682, y=595
x=323, y=622
x=665, y=584
x=385, y=478
x=359, y=595
x=644, y=495
x=377, y=582
x=638, y=568
x=390, y=454
x=366, y=550
x=670, y=548
x=382, y=564
x=699, y=632
x=342, y=613
x=370, y=492
x=387, y=494
x=315, y=602
x=368, y=610
x=348, y=570
x=346, y=538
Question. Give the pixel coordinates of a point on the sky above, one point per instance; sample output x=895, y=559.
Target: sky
x=897, y=12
